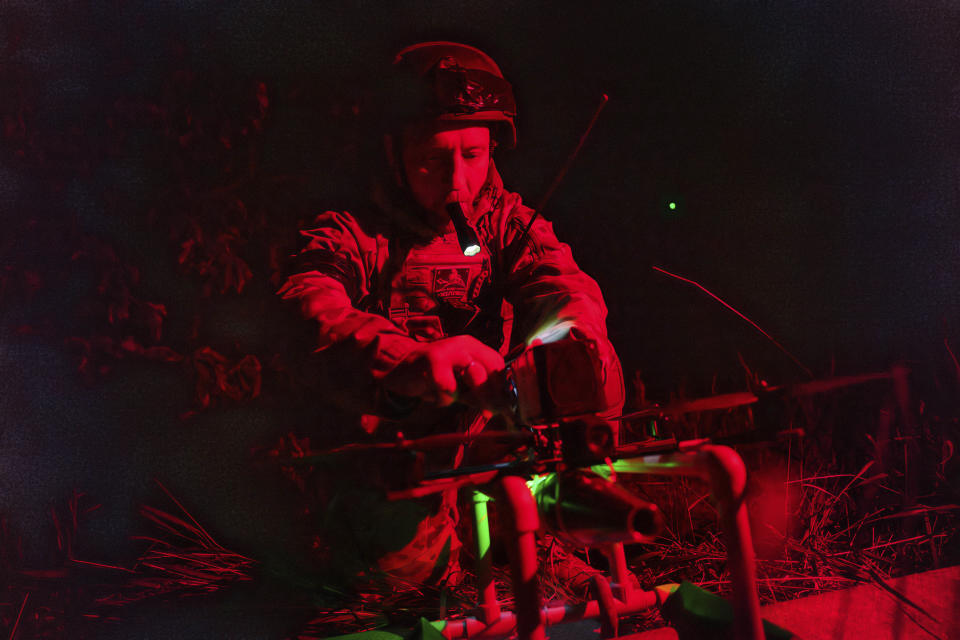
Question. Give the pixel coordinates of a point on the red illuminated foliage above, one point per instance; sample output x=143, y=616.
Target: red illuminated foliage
x=215, y=259
x=195, y=138
x=217, y=378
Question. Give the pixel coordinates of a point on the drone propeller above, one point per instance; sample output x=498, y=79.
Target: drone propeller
x=744, y=398
x=426, y=443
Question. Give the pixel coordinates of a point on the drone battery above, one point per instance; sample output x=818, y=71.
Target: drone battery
x=559, y=379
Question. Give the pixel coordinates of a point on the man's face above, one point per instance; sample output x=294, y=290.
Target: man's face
x=446, y=163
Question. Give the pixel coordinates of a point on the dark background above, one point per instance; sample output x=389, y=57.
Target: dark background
x=812, y=149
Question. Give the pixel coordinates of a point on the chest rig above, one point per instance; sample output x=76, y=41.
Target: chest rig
x=433, y=291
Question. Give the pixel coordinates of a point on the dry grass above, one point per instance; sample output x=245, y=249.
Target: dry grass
x=867, y=494
x=831, y=510
x=71, y=596
x=862, y=488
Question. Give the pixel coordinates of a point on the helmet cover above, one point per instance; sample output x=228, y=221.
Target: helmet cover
x=453, y=82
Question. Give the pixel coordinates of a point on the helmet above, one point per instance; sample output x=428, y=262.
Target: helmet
x=454, y=82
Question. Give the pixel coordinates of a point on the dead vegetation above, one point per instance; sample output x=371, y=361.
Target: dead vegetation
x=852, y=486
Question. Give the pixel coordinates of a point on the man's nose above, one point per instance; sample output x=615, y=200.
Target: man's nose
x=457, y=173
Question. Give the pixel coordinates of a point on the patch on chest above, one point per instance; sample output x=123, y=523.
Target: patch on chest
x=450, y=283
x=438, y=285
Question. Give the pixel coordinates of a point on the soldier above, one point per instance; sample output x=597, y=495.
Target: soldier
x=417, y=296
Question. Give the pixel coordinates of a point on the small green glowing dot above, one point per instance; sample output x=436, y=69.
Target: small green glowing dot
x=673, y=206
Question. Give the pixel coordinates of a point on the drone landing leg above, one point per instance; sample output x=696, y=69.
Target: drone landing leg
x=489, y=605
x=525, y=522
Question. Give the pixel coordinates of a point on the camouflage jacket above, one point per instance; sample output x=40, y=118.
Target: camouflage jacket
x=375, y=281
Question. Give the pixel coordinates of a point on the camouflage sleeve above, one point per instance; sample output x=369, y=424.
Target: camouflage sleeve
x=354, y=349
x=544, y=283
x=546, y=287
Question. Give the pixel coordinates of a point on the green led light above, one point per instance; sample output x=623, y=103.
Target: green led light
x=647, y=464
x=536, y=483
x=602, y=470
x=481, y=523
x=673, y=206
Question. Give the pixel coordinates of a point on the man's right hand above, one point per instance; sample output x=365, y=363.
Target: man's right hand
x=448, y=370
